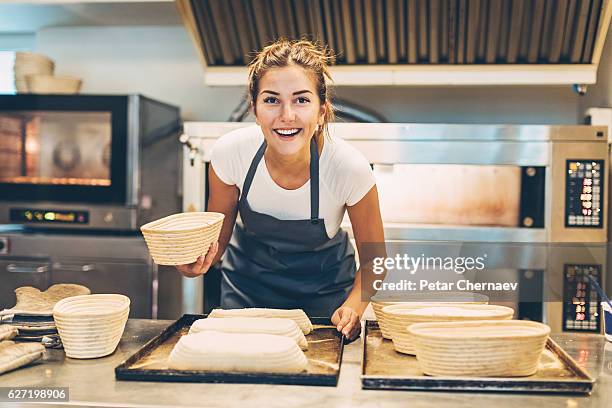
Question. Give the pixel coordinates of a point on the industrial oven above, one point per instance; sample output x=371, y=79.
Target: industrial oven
x=78, y=175
x=76, y=161
x=534, y=198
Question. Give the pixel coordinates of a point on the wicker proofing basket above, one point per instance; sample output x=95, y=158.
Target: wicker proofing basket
x=91, y=326
x=49, y=84
x=419, y=300
x=29, y=63
x=400, y=317
x=486, y=348
x=180, y=239
x=382, y=317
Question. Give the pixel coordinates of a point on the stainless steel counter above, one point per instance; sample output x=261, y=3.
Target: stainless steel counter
x=92, y=382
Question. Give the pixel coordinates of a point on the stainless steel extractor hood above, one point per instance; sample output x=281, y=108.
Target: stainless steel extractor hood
x=411, y=41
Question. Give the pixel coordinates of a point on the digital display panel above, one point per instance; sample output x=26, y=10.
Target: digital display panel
x=27, y=215
x=584, y=189
x=580, y=298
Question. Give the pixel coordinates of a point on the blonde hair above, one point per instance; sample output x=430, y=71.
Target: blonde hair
x=314, y=58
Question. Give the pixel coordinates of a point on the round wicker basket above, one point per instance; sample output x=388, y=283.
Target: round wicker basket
x=486, y=348
x=91, y=326
x=180, y=239
x=50, y=84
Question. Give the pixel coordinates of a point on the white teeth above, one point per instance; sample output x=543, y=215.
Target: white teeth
x=287, y=132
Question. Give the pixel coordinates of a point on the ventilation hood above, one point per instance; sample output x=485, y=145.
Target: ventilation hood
x=411, y=42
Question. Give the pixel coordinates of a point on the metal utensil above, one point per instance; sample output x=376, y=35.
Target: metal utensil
x=602, y=294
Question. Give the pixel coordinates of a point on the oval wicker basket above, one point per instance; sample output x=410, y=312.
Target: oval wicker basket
x=180, y=239
x=428, y=300
x=400, y=317
x=381, y=317
x=91, y=326
x=425, y=299
x=486, y=348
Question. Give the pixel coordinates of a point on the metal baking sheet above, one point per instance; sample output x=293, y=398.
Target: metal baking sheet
x=325, y=346
x=385, y=369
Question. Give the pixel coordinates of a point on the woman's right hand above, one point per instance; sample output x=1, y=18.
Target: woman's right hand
x=201, y=265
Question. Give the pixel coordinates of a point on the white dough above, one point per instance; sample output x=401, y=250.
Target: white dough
x=297, y=315
x=264, y=325
x=244, y=352
x=7, y=332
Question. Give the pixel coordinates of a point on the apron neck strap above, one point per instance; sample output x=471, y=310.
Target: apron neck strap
x=314, y=181
x=314, y=177
x=252, y=169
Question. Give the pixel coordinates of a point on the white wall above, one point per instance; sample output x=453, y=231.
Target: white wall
x=601, y=94
x=17, y=41
x=464, y=104
x=162, y=62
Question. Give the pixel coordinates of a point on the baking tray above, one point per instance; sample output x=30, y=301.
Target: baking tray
x=325, y=346
x=385, y=369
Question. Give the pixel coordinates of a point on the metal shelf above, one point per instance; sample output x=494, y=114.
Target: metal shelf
x=426, y=75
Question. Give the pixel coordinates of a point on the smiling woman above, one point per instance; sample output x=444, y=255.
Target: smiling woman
x=291, y=182
x=289, y=114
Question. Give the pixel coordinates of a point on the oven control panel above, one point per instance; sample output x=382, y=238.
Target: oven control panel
x=38, y=216
x=580, y=298
x=584, y=187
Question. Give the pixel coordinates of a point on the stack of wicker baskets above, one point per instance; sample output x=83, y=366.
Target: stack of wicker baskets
x=425, y=300
x=180, y=239
x=401, y=316
x=91, y=326
x=490, y=348
x=378, y=306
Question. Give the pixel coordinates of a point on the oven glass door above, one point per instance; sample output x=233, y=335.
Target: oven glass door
x=452, y=195
x=63, y=148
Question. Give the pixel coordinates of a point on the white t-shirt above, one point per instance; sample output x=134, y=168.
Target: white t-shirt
x=345, y=177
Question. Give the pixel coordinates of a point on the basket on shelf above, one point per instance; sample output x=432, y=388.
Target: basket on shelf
x=50, y=84
x=29, y=63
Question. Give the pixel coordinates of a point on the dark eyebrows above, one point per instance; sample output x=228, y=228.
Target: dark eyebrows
x=295, y=93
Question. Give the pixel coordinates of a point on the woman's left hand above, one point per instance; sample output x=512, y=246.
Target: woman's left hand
x=347, y=322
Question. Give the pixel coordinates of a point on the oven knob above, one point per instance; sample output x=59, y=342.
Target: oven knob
x=528, y=222
x=4, y=245
x=108, y=217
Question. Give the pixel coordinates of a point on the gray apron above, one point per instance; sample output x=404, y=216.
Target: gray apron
x=286, y=264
